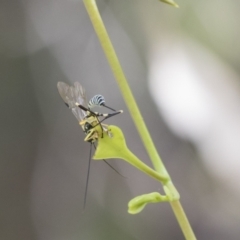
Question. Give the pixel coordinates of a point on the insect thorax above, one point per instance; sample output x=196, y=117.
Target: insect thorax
x=97, y=100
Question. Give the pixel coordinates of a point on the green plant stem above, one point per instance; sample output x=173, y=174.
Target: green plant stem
x=182, y=220
x=123, y=85
x=133, y=109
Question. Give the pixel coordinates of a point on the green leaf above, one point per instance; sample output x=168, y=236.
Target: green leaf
x=138, y=203
x=170, y=2
x=113, y=145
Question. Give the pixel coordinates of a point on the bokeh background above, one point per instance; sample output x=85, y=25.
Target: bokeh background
x=183, y=68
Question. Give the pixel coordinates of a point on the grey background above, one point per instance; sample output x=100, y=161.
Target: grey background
x=43, y=161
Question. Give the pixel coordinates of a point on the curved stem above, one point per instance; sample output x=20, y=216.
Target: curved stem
x=133, y=109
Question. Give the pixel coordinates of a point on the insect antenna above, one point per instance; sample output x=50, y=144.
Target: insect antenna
x=110, y=165
x=88, y=173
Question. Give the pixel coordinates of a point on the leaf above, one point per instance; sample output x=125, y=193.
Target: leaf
x=113, y=145
x=137, y=204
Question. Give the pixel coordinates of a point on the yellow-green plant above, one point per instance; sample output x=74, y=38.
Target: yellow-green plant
x=114, y=146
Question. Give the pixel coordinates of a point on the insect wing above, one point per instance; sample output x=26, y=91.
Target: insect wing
x=71, y=95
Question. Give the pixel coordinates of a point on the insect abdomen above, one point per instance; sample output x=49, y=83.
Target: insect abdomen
x=97, y=100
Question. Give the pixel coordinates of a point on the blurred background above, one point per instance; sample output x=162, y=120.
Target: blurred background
x=183, y=68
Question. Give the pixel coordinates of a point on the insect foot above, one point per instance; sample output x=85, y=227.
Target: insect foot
x=109, y=133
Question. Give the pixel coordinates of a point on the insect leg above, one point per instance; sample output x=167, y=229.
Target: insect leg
x=108, y=107
x=107, y=115
x=86, y=187
x=85, y=109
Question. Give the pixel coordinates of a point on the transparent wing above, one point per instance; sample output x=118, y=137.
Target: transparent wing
x=71, y=95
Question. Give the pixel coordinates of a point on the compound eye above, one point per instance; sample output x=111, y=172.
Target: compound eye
x=87, y=127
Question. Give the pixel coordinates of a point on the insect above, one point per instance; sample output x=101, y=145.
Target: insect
x=75, y=99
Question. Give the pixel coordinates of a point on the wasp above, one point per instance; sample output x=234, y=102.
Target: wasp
x=75, y=99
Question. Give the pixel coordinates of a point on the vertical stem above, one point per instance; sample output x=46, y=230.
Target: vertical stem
x=182, y=220
x=123, y=85
x=134, y=111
